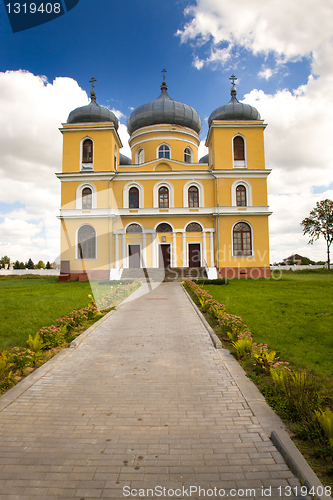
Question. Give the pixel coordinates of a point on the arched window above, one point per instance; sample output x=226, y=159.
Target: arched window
x=187, y=155
x=239, y=149
x=164, y=151
x=133, y=197
x=193, y=197
x=86, y=199
x=87, y=151
x=140, y=156
x=193, y=227
x=164, y=227
x=241, y=196
x=242, y=239
x=163, y=197
x=86, y=242
x=134, y=228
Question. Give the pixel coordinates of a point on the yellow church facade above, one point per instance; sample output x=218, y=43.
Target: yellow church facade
x=164, y=207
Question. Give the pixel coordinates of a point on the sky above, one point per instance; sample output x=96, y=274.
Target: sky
x=280, y=51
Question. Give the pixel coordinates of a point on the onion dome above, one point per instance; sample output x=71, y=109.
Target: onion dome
x=164, y=110
x=234, y=110
x=92, y=113
x=204, y=159
x=124, y=160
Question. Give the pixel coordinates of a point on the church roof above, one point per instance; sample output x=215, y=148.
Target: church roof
x=92, y=113
x=164, y=110
x=234, y=110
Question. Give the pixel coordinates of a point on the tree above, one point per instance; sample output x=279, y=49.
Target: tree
x=40, y=265
x=320, y=223
x=48, y=265
x=30, y=264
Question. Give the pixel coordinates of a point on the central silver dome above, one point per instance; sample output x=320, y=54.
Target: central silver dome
x=164, y=110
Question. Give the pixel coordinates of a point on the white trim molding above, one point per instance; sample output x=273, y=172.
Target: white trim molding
x=79, y=190
x=248, y=187
x=126, y=189
x=201, y=190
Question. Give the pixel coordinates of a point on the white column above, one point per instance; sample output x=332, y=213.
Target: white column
x=212, y=263
x=124, y=256
x=204, y=256
x=144, y=252
x=116, y=251
x=184, y=250
x=174, y=250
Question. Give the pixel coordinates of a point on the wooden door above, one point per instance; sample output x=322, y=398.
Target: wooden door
x=194, y=255
x=164, y=255
x=134, y=256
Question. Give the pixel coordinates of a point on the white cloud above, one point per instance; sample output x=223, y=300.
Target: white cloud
x=290, y=29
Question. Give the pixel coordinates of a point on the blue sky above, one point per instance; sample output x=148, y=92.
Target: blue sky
x=282, y=68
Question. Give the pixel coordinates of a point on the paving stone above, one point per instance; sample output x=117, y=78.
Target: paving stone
x=144, y=400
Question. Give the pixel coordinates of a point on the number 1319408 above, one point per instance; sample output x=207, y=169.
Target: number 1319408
x=33, y=8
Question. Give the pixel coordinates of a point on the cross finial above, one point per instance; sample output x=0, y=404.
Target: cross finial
x=92, y=81
x=233, y=78
x=164, y=71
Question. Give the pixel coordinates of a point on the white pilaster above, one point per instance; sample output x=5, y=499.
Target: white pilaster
x=184, y=250
x=204, y=256
x=212, y=263
x=116, y=251
x=144, y=251
x=124, y=256
x=153, y=249
x=174, y=250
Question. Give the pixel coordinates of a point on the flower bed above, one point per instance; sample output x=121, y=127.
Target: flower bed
x=295, y=395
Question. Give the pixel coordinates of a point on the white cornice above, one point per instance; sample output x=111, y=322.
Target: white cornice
x=85, y=176
x=164, y=138
x=153, y=129
x=163, y=213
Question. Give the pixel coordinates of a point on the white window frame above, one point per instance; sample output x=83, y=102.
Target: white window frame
x=201, y=190
x=139, y=158
x=171, y=194
x=163, y=157
x=79, y=195
x=248, y=188
x=83, y=166
x=191, y=154
x=239, y=163
x=77, y=257
x=126, y=189
x=232, y=241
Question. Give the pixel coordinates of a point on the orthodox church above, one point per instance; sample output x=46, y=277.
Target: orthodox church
x=164, y=207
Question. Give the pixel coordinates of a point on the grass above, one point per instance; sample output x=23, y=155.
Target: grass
x=27, y=303
x=293, y=315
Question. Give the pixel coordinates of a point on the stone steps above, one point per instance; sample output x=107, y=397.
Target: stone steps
x=166, y=275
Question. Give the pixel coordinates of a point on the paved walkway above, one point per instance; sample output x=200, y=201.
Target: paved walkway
x=145, y=400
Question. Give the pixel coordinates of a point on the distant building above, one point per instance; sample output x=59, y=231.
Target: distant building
x=293, y=259
x=164, y=207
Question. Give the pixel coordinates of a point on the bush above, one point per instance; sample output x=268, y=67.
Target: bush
x=218, y=281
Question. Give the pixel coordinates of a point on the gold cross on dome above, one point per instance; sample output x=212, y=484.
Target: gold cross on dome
x=92, y=81
x=233, y=78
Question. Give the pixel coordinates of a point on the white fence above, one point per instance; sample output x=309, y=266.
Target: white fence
x=40, y=272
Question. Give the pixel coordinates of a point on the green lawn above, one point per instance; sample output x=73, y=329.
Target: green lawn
x=28, y=303
x=293, y=315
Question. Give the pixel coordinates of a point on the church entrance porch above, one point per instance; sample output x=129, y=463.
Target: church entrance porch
x=164, y=255
x=134, y=256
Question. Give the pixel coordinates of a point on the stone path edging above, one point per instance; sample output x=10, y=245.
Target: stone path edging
x=268, y=419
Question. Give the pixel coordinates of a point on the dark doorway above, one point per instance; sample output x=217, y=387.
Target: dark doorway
x=164, y=255
x=134, y=256
x=194, y=255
